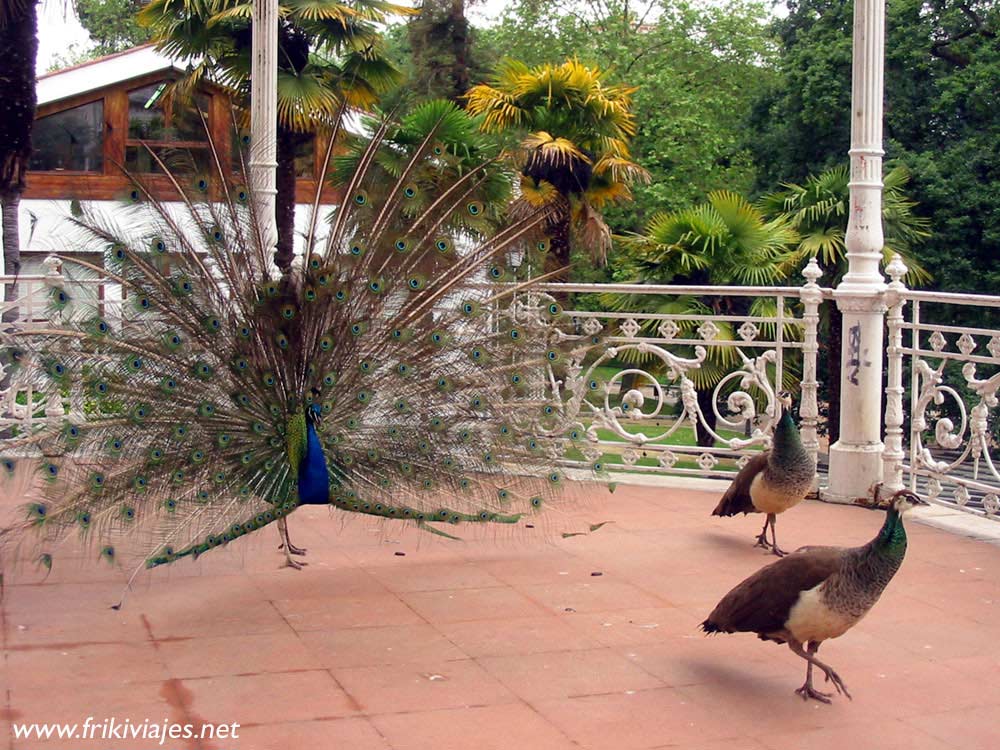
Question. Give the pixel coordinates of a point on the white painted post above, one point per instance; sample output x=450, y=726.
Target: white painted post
x=856, y=458
x=892, y=459
x=263, y=161
x=811, y=296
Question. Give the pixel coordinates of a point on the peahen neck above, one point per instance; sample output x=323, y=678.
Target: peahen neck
x=891, y=539
x=313, y=475
x=786, y=442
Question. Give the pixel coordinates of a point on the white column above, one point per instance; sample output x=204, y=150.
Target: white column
x=263, y=161
x=856, y=458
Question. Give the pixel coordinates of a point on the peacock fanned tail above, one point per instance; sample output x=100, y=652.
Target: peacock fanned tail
x=391, y=339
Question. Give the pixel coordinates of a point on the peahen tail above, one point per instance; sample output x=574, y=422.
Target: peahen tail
x=386, y=372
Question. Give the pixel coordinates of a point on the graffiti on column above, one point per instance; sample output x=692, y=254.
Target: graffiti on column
x=855, y=354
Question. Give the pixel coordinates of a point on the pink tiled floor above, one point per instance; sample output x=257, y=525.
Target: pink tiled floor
x=506, y=642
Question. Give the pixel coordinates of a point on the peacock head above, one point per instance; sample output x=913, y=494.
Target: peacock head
x=314, y=410
x=904, y=500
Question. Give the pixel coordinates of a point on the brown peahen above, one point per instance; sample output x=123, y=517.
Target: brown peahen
x=384, y=374
x=816, y=593
x=774, y=480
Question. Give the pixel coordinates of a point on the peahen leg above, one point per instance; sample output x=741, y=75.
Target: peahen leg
x=286, y=541
x=774, y=538
x=807, y=690
x=762, y=537
x=287, y=547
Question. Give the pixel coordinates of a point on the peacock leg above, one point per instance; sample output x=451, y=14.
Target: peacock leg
x=762, y=537
x=286, y=541
x=807, y=690
x=774, y=538
x=289, y=562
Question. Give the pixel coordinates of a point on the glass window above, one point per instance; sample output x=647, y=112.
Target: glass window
x=176, y=134
x=71, y=140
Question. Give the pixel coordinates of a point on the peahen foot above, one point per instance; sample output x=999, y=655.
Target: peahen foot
x=293, y=564
x=807, y=691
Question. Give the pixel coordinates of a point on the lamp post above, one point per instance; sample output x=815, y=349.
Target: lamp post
x=263, y=161
x=856, y=458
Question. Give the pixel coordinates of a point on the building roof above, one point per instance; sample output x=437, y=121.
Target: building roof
x=103, y=72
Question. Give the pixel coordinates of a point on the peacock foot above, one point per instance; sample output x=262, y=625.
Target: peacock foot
x=777, y=551
x=292, y=549
x=762, y=541
x=293, y=564
x=807, y=691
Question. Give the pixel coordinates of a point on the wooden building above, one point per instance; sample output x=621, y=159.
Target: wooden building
x=99, y=117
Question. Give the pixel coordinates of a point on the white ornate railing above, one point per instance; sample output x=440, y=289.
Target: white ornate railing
x=954, y=375
x=627, y=397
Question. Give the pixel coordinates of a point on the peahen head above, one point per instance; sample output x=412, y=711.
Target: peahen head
x=904, y=500
x=892, y=537
x=785, y=399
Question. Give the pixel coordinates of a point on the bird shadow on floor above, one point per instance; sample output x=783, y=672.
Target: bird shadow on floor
x=728, y=541
x=739, y=680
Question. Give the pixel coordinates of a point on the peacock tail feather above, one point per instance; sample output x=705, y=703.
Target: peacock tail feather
x=383, y=374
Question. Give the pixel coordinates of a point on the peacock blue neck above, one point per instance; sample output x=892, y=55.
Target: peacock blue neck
x=314, y=477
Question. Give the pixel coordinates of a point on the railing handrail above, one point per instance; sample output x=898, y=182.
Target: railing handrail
x=737, y=291
x=952, y=298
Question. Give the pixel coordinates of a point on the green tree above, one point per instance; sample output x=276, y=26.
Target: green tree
x=726, y=240
x=19, y=40
x=942, y=75
x=440, y=50
x=112, y=24
x=573, y=131
x=329, y=53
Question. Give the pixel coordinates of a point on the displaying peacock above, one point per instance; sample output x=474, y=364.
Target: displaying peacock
x=383, y=374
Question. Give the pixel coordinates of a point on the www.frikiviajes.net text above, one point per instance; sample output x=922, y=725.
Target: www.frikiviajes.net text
x=126, y=729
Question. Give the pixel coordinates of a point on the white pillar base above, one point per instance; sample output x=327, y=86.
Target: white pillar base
x=857, y=469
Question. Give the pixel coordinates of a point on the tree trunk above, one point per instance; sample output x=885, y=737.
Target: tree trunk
x=702, y=436
x=19, y=42
x=833, y=374
x=11, y=252
x=559, y=241
x=460, y=50
x=285, y=199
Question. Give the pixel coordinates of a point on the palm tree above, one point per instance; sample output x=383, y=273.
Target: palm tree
x=19, y=40
x=460, y=148
x=329, y=55
x=818, y=210
x=724, y=241
x=574, y=130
